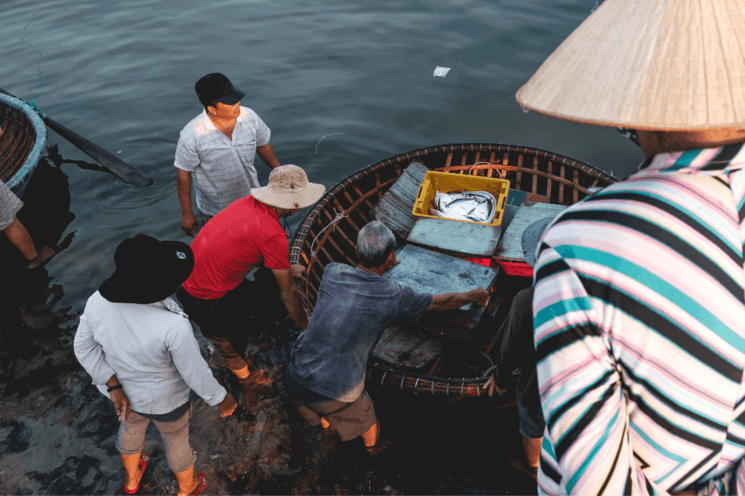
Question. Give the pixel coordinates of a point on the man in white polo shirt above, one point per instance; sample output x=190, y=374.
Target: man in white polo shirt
x=218, y=148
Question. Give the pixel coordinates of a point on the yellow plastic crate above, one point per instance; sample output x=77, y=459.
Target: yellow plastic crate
x=445, y=182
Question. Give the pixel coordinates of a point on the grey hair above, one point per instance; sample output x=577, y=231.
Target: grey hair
x=375, y=242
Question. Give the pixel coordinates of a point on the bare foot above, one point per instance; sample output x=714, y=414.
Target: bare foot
x=42, y=256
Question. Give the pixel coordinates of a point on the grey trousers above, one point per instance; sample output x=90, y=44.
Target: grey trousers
x=175, y=435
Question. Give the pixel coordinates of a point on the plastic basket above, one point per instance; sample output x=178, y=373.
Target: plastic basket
x=445, y=182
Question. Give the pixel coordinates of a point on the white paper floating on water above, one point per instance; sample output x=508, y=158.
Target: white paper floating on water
x=119, y=152
x=441, y=71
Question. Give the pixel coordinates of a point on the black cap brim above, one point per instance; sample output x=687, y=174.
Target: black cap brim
x=232, y=98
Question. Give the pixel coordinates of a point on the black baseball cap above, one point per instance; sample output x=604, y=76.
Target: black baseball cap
x=217, y=87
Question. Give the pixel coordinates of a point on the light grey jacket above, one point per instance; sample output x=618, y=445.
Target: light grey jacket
x=152, y=351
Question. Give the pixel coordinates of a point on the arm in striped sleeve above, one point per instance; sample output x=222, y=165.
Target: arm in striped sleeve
x=586, y=449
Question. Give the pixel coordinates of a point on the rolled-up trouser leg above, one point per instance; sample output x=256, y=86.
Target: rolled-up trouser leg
x=176, y=438
x=131, y=437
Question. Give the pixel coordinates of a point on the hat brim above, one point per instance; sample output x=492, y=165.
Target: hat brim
x=125, y=287
x=231, y=98
x=295, y=199
x=656, y=65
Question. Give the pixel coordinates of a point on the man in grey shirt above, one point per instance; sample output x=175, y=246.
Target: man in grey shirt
x=217, y=148
x=326, y=374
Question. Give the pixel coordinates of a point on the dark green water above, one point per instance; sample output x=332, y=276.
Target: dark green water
x=357, y=74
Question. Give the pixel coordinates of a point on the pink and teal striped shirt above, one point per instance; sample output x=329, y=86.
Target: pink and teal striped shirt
x=639, y=314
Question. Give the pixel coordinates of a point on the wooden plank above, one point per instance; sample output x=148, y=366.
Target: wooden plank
x=405, y=347
x=394, y=209
x=510, y=246
x=576, y=181
x=518, y=180
x=429, y=272
x=396, y=214
x=459, y=237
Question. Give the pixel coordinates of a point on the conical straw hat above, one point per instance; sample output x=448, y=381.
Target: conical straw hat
x=648, y=64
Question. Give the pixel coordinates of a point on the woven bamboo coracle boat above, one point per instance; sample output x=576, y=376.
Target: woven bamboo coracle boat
x=24, y=135
x=329, y=232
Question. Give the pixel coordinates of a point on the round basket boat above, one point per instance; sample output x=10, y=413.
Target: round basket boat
x=329, y=232
x=24, y=135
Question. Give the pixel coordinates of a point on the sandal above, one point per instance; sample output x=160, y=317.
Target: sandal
x=200, y=486
x=144, y=460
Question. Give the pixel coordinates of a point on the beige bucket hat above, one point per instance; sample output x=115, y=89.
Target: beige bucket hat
x=648, y=64
x=289, y=187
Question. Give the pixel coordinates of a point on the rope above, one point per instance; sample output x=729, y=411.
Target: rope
x=330, y=224
x=491, y=362
x=33, y=105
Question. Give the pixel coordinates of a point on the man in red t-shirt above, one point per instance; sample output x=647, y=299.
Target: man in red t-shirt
x=229, y=246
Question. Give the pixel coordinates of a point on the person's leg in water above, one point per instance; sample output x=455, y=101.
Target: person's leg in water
x=187, y=483
x=217, y=320
x=532, y=448
x=531, y=426
x=370, y=438
x=129, y=442
x=179, y=453
x=133, y=470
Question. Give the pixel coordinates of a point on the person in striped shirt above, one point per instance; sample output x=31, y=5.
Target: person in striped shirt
x=639, y=305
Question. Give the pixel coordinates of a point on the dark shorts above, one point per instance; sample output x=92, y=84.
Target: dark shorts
x=531, y=420
x=223, y=321
x=349, y=419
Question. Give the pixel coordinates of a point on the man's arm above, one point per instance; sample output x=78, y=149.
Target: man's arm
x=267, y=155
x=120, y=399
x=188, y=220
x=90, y=354
x=586, y=449
x=21, y=239
x=451, y=301
x=291, y=296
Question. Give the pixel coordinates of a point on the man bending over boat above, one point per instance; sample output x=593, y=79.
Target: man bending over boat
x=217, y=148
x=239, y=238
x=326, y=374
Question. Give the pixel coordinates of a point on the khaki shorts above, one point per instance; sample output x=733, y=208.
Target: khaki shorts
x=349, y=419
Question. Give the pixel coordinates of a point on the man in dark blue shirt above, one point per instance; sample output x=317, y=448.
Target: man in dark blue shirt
x=326, y=374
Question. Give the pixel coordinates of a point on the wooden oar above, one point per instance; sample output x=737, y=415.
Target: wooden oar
x=123, y=170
